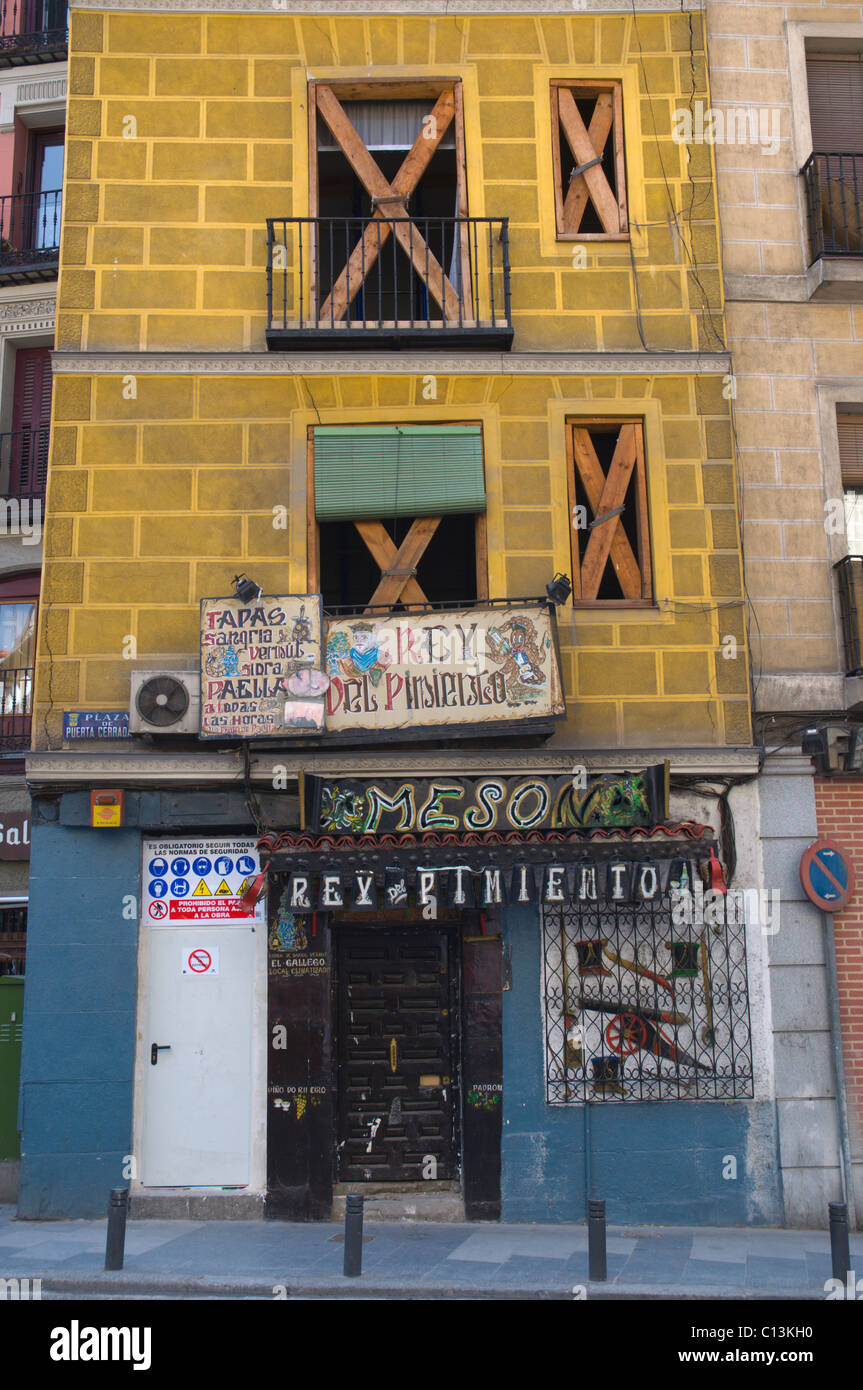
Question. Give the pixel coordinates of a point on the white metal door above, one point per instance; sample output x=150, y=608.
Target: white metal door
x=196, y=1119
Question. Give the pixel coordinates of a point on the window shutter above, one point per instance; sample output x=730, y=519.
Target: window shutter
x=850, y=430
x=836, y=104
x=397, y=470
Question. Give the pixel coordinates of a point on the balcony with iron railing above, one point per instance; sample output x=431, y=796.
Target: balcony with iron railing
x=388, y=282
x=33, y=31
x=24, y=465
x=16, y=697
x=29, y=237
x=849, y=575
x=834, y=204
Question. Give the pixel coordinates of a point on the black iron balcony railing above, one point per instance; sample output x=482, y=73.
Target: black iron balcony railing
x=33, y=31
x=16, y=695
x=392, y=282
x=29, y=237
x=834, y=204
x=24, y=463
x=849, y=573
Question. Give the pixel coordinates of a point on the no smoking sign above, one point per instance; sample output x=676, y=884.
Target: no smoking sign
x=200, y=960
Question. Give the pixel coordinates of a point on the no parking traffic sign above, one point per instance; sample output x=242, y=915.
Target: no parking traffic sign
x=827, y=875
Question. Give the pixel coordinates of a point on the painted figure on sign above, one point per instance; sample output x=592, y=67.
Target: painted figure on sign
x=288, y=934
x=514, y=647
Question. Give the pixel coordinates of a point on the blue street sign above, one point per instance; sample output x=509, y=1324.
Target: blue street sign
x=90, y=724
x=827, y=875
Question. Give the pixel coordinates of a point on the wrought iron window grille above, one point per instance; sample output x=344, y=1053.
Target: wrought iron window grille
x=639, y=1008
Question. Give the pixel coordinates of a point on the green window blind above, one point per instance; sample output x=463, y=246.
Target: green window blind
x=372, y=471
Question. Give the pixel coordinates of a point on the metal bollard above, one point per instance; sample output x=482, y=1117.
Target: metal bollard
x=596, y=1262
x=116, y=1239
x=354, y=1234
x=840, y=1251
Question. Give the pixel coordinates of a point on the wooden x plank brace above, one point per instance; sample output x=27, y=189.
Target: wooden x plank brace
x=606, y=495
x=588, y=180
x=381, y=191
x=398, y=566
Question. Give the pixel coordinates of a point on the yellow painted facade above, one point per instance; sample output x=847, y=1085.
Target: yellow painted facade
x=185, y=133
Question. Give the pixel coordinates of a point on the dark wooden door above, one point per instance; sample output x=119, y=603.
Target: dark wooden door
x=396, y=1063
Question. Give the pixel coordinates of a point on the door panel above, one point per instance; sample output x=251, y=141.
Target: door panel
x=196, y=1126
x=396, y=1064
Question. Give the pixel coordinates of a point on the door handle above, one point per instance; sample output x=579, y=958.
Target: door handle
x=156, y=1049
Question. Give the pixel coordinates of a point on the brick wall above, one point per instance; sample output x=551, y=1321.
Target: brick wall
x=839, y=807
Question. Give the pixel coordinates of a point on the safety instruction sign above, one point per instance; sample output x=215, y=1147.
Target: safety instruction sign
x=199, y=881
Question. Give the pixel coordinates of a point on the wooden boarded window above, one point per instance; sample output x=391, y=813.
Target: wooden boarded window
x=425, y=539
x=608, y=511
x=389, y=150
x=589, y=169
x=850, y=430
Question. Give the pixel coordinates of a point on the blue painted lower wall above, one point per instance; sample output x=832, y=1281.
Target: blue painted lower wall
x=653, y=1162
x=658, y=1163
x=77, y=1062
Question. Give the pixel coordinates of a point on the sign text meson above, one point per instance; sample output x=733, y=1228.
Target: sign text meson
x=421, y=805
x=480, y=666
x=260, y=666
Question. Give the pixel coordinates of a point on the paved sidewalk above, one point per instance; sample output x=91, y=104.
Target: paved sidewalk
x=252, y=1259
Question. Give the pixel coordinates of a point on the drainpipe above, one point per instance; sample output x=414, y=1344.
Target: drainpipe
x=845, y=1170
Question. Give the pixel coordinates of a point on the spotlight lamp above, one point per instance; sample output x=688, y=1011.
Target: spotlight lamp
x=246, y=588
x=814, y=744
x=559, y=589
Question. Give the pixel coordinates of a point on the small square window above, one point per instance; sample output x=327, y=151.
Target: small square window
x=589, y=170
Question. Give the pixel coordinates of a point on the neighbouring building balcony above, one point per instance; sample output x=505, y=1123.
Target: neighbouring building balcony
x=30, y=237
x=834, y=204
x=16, y=696
x=33, y=31
x=24, y=463
x=388, y=282
x=849, y=573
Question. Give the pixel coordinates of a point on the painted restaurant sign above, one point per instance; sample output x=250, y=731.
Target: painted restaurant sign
x=260, y=666
x=420, y=805
x=483, y=666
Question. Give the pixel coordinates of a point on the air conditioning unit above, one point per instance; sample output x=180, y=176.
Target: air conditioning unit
x=165, y=702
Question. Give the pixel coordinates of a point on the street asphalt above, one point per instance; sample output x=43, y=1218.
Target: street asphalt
x=412, y=1259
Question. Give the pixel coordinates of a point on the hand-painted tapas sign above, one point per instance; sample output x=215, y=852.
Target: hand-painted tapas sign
x=261, y=671
x=827, y=875
x=483, y=666
x=199, y=881
x=90, y=724
x=460, y=804
x=15, y=835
